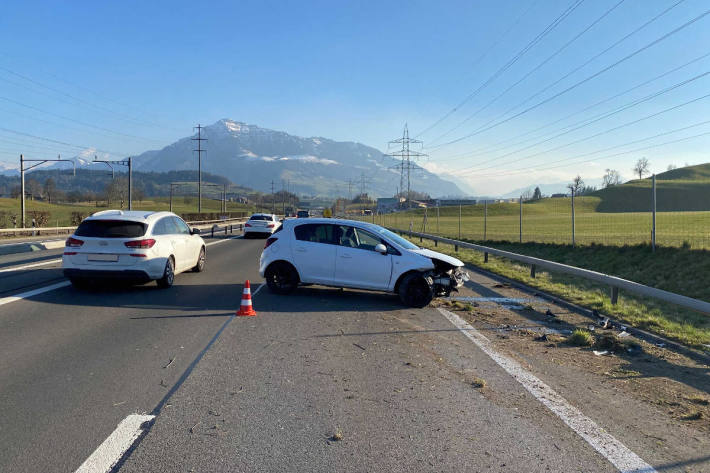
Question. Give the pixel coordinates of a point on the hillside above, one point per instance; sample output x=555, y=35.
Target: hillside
x=255, y=157
x=683, y=189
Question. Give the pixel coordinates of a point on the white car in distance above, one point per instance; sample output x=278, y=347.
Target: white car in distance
x=132, y=246
x=261, y=224
x=347, y=253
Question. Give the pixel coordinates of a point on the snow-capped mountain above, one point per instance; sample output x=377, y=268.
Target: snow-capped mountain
x=9, y=169
x=254, y=157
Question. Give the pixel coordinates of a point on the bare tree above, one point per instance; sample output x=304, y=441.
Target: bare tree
x=641, y=167
x=50, y=187
x=576, y=185
x=611, y=178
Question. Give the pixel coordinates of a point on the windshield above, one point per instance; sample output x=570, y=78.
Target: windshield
x=384, y=233
x=261, y=217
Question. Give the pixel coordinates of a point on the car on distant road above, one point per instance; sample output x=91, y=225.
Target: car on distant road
x=348, y=253
x=261, y=224
x=303, y=214
x=132, y=246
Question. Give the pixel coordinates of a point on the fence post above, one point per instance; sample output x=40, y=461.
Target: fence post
x=614, y=295
x=520, y=218
x=459, y=223
x=437, y=217
x=653, y=224
x=485, y=222
x=573, y=221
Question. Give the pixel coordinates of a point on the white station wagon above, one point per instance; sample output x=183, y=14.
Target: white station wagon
x=346, y=253
x=132, y=246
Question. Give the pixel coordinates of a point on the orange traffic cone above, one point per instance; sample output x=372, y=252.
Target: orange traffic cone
x=245, y=308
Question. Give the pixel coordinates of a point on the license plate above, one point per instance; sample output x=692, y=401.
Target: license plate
x=100, y=257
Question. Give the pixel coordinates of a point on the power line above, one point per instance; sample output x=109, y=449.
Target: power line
x=587, y=122
x=56, y=141
x=548, y=29
x=569, y=161
x=533, y=70
x=509, y=142
x=490, y=125
x=624, y=125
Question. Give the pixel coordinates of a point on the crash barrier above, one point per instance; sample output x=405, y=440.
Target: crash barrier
x=615, y=283
x=68, y=230
x=227, y=228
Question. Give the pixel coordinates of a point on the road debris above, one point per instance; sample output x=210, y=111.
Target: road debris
x=601, y=353
x=169, y=363
x=359, y=346
x=623, y=334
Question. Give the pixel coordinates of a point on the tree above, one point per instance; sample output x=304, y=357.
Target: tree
x=672, y=167
x=50, y=188
x=15, y=192
x=537, y=194
x=139, y=193
x=33, y=188
x=576, y=185
x=611, y=178
x=641, y=167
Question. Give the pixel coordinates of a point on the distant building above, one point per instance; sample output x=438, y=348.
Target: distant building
x=387, y=204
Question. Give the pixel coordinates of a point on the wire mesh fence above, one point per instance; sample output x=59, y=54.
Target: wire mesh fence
x=629, y=216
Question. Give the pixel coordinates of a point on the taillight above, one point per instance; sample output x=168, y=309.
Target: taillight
x=142, y=244
x=271, y=225
x=69, y=253
x=247, y=225
x=269, y=241
x=73, y=243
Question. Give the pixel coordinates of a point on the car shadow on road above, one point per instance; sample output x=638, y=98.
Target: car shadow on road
x=328, y=299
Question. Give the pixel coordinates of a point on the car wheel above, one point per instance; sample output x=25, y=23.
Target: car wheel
x=168, y=275
x=281, y=278
x=200, y=266
x=415, y=290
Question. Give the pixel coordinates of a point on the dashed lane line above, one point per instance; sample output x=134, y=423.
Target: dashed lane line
x=609, y=447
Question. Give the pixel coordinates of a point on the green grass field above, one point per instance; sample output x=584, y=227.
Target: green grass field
x=60, y=214
x=550, y=221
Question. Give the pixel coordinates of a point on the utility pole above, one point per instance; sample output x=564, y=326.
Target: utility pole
x=350, y=189
x=406, y=154
x=126, y=162
x=24, y=169
x=199, y=150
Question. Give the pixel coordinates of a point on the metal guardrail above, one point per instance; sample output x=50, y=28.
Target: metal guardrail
x=56, y=230
x=614, y=282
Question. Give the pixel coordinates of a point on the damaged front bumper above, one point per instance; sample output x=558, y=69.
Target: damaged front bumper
x=444, y=283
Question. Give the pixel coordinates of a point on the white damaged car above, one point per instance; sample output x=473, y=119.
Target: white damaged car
x=347, y=253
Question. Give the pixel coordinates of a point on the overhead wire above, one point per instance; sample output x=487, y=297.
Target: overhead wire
x=532, y=43
x=493, y=123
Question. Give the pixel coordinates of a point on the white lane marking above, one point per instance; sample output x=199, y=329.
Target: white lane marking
x=222, y=241
x=621, y=457
x=34, y=292
x=32, y=265
x=113, y=448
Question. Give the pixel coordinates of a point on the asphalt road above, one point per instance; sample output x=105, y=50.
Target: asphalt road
x=323, y=380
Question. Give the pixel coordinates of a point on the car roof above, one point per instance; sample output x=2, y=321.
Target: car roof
x=263, y=215
x=144, y=216
x=332, y=221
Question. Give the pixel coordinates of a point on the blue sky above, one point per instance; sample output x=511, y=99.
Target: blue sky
x=130, y=76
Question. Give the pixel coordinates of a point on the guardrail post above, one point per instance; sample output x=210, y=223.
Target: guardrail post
x=532, y=270
x=213, y=231
x=436, y=242
x=485, y=257
x=225, y=230
x=456, y=247
x=614, y=295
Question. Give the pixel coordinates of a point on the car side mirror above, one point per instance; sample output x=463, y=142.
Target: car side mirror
x=380, y=248
x=195, y=231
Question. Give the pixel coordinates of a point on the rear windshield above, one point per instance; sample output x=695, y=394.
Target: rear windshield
x=260, y=217
x=303, y=213
x=110, y=229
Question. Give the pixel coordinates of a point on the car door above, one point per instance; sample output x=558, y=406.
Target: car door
x=186, y=244
x=313, y=252
x=357, y=264
x=170, y=242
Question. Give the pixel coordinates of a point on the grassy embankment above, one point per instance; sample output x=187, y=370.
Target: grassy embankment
x=679, y=270
x=60, y=214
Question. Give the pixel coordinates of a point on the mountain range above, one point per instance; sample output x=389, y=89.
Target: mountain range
x=255, y=157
